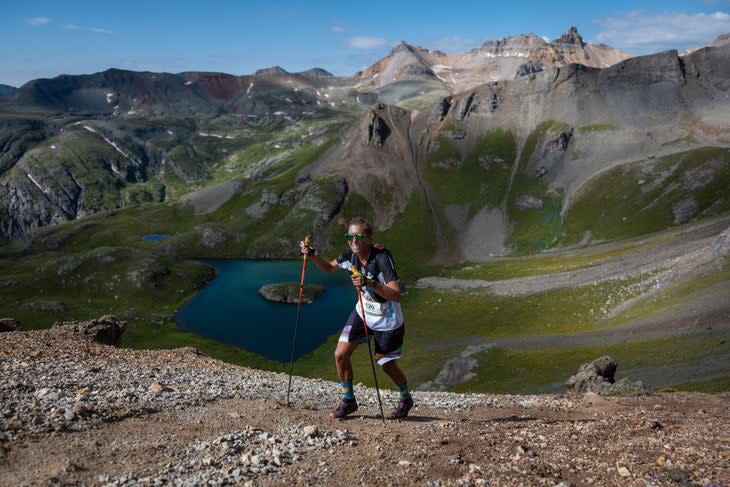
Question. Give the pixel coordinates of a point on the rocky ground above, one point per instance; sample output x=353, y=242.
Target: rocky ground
x=76, y=412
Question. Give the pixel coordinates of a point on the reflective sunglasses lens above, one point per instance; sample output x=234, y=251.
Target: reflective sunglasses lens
x=360, y=236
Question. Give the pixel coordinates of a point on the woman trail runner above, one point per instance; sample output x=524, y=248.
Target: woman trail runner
x=380, y=291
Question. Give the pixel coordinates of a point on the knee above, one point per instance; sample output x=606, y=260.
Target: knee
x=340, y=356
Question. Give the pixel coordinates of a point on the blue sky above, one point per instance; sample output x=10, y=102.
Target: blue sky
x=46, y=38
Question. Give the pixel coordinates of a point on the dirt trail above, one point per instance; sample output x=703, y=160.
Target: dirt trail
x=668, y=257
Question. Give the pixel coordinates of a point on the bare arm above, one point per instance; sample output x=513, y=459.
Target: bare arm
x=389, y=291
x=325, y=266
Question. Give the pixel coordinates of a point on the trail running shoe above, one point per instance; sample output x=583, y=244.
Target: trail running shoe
x=346, y=406
x=401, y=410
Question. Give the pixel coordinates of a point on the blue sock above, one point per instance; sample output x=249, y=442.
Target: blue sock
x=347, y=391
x=403, y=389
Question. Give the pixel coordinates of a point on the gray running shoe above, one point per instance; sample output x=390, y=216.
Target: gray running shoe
x=401, y=410
x=346, y=406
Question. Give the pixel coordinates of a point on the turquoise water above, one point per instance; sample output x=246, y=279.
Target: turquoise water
x=230, y=310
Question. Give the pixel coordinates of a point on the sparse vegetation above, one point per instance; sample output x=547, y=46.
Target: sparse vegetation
x=637, y=199
x=480, y=178
x=597, y=127
x=539, y=228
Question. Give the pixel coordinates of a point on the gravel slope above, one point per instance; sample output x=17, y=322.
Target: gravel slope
x=74, y=412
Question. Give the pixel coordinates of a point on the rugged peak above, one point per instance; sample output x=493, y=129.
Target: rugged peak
x=571, y=38
x=317, y=73
x=402, y=46
x=519, y=43
x=272, y=71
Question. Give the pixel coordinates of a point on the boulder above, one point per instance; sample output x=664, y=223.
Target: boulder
x=267, y=200
x=9, y=324
x=288, y=292
x=107, y=330
x=529, y=202
x=598, y=377
x=605, y=367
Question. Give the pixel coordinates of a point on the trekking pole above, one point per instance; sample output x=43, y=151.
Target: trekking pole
x=370, y=350
x=308, y=244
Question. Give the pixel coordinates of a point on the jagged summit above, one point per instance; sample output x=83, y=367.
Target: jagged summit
x=513, y=45
x=402, y=46
x=571, y=38
x=494, y=60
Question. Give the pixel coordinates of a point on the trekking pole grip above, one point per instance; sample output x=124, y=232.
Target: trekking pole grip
x=308, y=245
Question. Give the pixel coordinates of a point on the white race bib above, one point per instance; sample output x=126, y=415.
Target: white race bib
x=373, y=308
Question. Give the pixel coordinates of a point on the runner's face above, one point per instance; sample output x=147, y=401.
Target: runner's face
x=356, y=244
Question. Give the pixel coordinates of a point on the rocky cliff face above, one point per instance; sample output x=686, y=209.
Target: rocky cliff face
x=497, y=60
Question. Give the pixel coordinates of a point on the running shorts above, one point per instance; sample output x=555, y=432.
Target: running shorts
x=388, y=344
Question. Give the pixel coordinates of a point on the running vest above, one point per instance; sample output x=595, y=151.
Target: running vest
x=380, y=314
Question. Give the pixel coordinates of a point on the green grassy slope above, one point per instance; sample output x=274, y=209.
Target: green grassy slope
x=99, y=264
x=635, y=199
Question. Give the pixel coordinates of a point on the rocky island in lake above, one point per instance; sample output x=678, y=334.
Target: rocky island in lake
x=288, y=292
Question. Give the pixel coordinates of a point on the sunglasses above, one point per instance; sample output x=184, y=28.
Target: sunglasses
x=360, y=236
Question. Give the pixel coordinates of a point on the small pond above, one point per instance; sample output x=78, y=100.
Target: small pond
x=155, y=237
x=230, y=310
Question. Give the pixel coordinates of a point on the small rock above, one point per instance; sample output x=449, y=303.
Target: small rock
x=529, y=202
x=9, y=324
x=455, y=459
x=655, y=425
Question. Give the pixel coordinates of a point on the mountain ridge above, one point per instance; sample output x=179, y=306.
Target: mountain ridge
x=661, y=90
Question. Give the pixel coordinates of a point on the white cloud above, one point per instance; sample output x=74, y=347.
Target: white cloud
x=99, y=30
x=365, y=42
x=453, y=44
x=337, y=29
x=645, y=32
x=71, y=27
x=39, y=21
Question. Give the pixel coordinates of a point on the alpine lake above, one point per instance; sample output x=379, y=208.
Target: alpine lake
x=230, y=309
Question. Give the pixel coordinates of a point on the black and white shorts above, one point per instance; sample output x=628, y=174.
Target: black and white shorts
x=388, y=344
